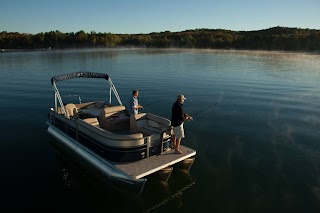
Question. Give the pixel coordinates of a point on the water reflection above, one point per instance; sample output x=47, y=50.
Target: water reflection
x=158, y=194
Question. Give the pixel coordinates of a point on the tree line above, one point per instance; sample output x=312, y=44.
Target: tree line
x=276, y=38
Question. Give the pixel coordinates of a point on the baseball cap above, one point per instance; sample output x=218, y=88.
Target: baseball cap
x=181, y=97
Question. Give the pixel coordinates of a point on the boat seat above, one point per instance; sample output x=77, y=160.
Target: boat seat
x=148, y=124
x=93, y=112
x=114, y=118
x=92, y=121
x=91, y=109
x=99, y=104
x=71, y=110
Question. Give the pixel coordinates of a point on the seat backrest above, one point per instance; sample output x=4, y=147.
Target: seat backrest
x=136, y=121
x=142, y=121
x=108, y=111
x=155, y=120
x=71, y=110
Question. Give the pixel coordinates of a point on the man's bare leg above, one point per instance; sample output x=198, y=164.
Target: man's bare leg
x=173, y=142
x=177, y=147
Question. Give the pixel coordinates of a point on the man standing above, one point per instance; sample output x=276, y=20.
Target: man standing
x=177, y=119
x=134, y=104
x=134, y=110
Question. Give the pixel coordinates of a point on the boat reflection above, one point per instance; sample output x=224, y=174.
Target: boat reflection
x=157, y=193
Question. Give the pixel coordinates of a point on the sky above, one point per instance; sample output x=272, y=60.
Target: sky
x=147, y=16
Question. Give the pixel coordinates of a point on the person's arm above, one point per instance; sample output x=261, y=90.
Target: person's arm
x=188, y=117
x=182, y=114
x=135, y=104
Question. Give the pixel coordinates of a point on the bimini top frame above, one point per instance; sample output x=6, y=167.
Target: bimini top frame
x=69, y=76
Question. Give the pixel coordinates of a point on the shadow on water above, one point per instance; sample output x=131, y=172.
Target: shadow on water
x=158, y=194
x=87, y=192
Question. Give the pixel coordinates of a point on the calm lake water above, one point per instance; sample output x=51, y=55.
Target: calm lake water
x=255, y=129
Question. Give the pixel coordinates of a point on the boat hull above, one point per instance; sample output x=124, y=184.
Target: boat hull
x=98, y=166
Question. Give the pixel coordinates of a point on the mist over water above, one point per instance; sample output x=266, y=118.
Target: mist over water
x=255, y=129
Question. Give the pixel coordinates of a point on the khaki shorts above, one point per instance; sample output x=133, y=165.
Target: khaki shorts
x=178, y=131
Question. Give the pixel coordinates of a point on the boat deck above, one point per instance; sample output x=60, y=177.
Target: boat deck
x=142, y=168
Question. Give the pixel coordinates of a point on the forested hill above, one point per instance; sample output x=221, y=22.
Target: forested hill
x=277, y=38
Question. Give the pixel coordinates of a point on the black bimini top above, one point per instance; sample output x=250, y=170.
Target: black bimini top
x=79, y=75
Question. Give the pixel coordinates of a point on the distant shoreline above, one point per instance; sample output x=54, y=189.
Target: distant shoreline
x=275, y=39
x=317, y=52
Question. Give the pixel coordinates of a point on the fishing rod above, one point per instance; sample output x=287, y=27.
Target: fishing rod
x=208, y=107
x=152, y=103
x=197, y=113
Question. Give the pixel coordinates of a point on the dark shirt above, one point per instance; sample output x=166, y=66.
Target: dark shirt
x=177, y=114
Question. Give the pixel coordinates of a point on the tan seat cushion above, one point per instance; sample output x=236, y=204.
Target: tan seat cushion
x=92, y=121
x=71, y=110
x=108, y=111
x=114, y=123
